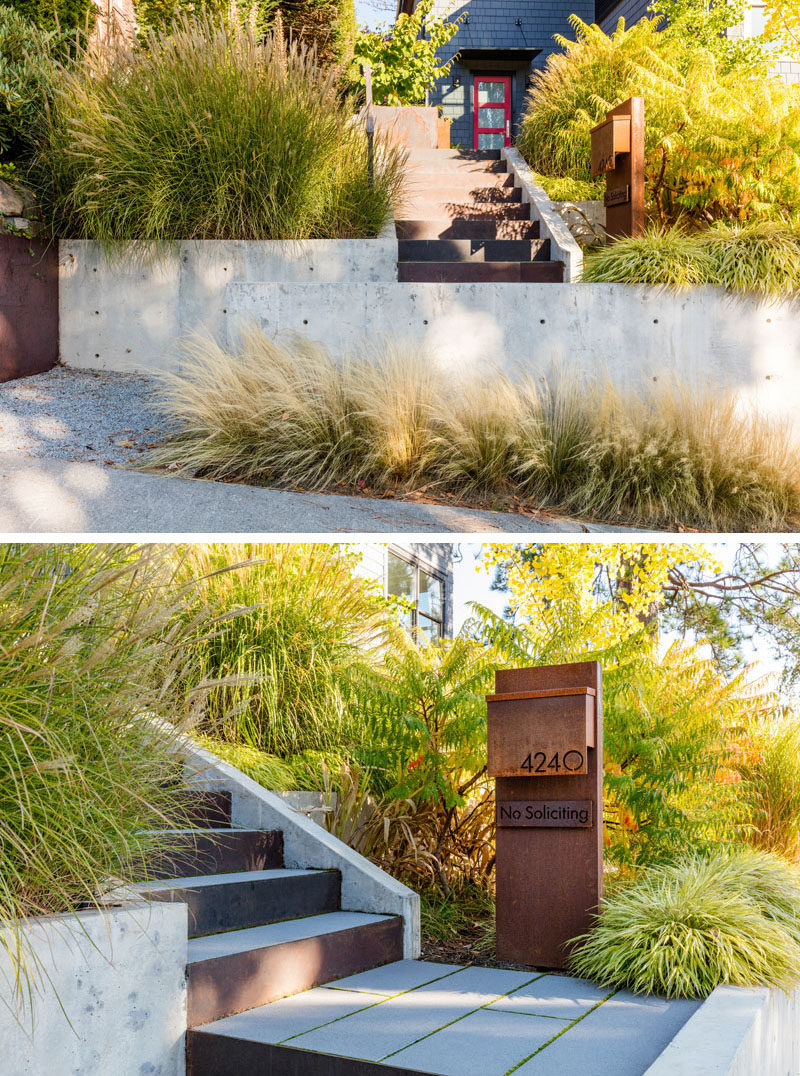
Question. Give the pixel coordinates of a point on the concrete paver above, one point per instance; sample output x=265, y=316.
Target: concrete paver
x=622, y=1037
x=553, y=995
x=390, y=979
x=485, y=1043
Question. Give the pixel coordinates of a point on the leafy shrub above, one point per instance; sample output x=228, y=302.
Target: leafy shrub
x=390, y=421
x=404, y=61
x=208, y=133
x=25, y=52
x=298, y=630
x=87, y=648
x=681, y=930
x=760, y=258
x=59, y=15
x=721, y=143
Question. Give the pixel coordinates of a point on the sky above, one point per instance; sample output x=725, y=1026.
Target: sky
x=372, y=14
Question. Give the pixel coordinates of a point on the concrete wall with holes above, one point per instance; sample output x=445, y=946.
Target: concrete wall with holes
x=130, y=312
x=698, y=336
x=109, y=994
x=737, y=1032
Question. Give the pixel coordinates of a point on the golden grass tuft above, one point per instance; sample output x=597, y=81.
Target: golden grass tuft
x=289, y=415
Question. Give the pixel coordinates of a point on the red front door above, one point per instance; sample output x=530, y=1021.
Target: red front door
x=492, y=109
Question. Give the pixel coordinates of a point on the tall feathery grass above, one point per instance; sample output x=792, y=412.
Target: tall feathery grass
x=90, y=643
x=392, y=422
x=207, y=132
x=299, y=629
x=681, y=930
x=759, y=259
x=770, y=788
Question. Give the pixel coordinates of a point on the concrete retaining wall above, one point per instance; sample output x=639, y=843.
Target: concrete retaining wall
x=365, y=887
x=130, y=311
x=110, y=995
x=563, y=247
x=624, y=331
x=737, y=1032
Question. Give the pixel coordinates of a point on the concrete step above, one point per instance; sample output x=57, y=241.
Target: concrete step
x=242, y=969
x=491, y=200
x=209, y=809
x=473, y=250
x=451, y=166
x=187, y=853
x=233, y=901
x=458, y=182
x=462, y=228
x=480, y=272
x=454, y=155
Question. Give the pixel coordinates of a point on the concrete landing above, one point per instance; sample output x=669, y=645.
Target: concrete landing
x=445, y=1020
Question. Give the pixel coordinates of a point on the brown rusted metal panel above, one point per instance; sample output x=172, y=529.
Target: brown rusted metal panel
x=28, y=306
x=539, y=735
x=609, y=139
x=623, y=167
x=550, y=878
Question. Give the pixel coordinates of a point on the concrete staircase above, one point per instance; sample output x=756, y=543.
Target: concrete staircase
x=463, y=221
x=258, y=931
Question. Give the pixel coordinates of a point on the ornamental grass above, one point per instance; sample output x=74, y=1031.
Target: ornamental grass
x=90, y=643
x=207, y=132
x=390, y=421
x=680, y=930
x=760, y=259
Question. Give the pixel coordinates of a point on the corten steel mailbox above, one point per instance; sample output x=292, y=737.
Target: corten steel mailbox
x=545, y=739
x=618, y=154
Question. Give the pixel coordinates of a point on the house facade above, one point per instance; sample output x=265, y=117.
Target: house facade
x=422, y=574
x=501, y=43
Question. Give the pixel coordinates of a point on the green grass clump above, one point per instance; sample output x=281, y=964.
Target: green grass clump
x=569, y=189
x=681, y=930
x=208, y=132
x=391, y=421
x=272, y=772
x=297, y=630
x=759, y=259
x=89, y=644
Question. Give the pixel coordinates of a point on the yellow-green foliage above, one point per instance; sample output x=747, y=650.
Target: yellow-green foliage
x=760, y=259
x=680, y=930
x=721, y=144
x=769, y=769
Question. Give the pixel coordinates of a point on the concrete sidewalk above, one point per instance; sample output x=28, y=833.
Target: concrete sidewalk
x=57, y=496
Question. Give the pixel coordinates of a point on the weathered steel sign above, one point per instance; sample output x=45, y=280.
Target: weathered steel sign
x=540, y=733
x=553, y=814
x=618, y=154
x=545, y=744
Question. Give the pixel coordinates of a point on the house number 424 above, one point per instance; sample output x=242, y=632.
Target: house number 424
x=538, y=762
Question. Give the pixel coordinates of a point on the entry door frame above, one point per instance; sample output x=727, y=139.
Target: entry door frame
x=506, y=104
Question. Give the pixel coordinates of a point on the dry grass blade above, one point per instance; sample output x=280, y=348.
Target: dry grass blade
x=392, y=421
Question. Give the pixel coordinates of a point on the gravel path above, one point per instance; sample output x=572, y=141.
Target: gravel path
x=90, y=416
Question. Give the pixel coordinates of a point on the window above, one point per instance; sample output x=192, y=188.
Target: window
x=425, y=592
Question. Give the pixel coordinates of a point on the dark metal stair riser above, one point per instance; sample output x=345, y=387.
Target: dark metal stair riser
x=473, y=250
x=249, y=903
x=209, y=1054
x=205, y=808
x=186, y=855
x=455, y=228
x=227, y=984
x=462, y=181
x=480, y=272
